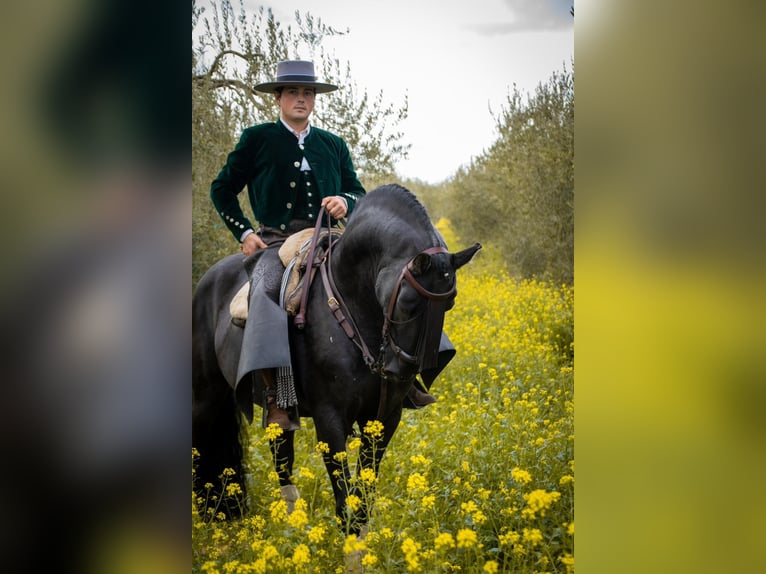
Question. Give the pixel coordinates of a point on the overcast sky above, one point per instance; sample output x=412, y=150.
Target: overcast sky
x=452, y=58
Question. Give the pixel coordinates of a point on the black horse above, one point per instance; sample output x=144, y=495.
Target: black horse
x=394, y=280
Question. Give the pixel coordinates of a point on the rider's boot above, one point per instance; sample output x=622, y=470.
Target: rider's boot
x=275, y=414
x=419, y=398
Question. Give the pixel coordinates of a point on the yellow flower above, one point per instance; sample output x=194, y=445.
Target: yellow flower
x=411, y=549
x=568, y=561
x=233, y=489
x=466, y=538
x=367, y=476
x=490, y=567
x=297, y=519
x=469, y=507
x=353, y=502
x=273, y=431
x=353, y=544
x=301, y=555
x=420, y=459
x=374, y=429
x=259, y=566
x=533, y=536
x=316, y=534
x=539, y=501
x=566, y=479
x=509, y=538
x=427, y=502
x=570, y=528
x=417, y=482
x=322, y=447
x=521, y=476
x=278, y=510
x=354, y=443
x=269, y=552
x=369, y=560
x=306, y=473
x=444, y=540
x=340, y=456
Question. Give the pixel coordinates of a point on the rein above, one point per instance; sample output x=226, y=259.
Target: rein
x=300, y=317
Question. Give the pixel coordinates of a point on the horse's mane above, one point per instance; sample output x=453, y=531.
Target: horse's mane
x=397, y=201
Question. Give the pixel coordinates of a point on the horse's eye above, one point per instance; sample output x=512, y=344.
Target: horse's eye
x=409, y=300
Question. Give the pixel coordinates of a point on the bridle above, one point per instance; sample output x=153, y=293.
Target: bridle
x=406, y=275
x=343, y=315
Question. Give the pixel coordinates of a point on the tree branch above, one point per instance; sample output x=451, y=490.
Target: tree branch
x=249, y=58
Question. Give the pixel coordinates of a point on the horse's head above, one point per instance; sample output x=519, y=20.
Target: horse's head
x=422, y=293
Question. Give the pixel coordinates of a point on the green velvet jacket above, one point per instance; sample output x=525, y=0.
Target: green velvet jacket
x=267, y=160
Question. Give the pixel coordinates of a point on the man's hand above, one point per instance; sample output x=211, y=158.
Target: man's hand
x=336, y=206
x=251, y=244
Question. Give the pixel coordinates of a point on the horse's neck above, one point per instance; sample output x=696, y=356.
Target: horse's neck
x=355, y=274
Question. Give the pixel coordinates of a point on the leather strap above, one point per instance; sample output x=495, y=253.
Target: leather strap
x=300, y=317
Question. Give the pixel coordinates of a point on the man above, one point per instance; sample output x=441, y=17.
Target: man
x=291, y=169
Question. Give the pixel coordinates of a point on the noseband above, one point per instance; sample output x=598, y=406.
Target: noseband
x=407, y=275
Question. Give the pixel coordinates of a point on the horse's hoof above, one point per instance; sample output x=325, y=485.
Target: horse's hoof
x=354, y=562
x=354, y=559
x=290, y=494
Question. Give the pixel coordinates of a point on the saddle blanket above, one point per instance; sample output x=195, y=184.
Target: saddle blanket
x=293, y=253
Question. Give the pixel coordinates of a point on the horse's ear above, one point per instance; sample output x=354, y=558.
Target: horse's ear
x=421, y=263
x=462, y=257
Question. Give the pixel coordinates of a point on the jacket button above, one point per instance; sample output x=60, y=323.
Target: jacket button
x=289, y=205
x=297, y=164
x=292, y=184
x=282, y=227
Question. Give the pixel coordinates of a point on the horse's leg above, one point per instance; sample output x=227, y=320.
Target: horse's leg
x=336, y=464
x=283, y=455
x=370, y=456
x=216, y=435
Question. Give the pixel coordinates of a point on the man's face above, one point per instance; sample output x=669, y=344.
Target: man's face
x=296, y=103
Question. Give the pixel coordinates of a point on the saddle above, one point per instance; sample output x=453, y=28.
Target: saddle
x=293, y=254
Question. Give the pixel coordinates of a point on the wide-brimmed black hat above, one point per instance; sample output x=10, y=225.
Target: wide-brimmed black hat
x=295, y=73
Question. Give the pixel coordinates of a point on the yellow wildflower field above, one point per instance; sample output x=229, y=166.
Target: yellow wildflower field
x=481, y=481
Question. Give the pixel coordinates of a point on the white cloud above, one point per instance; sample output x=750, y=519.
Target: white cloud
x=531, y=16
x=430, y=50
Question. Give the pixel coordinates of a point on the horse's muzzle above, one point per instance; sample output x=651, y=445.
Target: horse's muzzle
x=399, y=364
